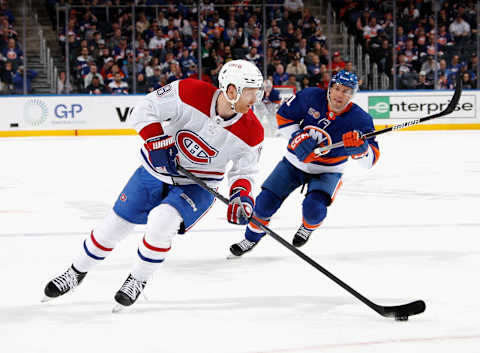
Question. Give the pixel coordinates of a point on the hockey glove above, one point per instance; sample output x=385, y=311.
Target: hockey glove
x=162, y=152
x=354, y=144
x=301, y=144
x=240, y=206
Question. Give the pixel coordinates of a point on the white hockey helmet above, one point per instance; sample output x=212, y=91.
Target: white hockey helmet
x=241, y=74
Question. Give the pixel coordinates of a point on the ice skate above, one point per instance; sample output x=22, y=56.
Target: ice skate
x=301, y=236
x=63, y=283
x=238, y=249
x=128, y=293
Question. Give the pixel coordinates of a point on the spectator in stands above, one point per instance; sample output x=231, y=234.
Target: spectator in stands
x=370, y=31
x=422, y=81
x=294, y=9
x=186, y=60
x=275, y=37
x=314, y=68
x=296, y=67
x=429, y=67
x=82, y=64
x=13, y=53
x=93, y=73
x=18, y=80
x=118, y=85
x=305, y=82
x=6, y=76
x=63, y=87
x=460, y=30
x=112, y=75
x=254, y=57
x=141, y=84
x=280, y=76
x=175, y=73
x=95, y=86
x=467, y=83
x=292, y=81
x=157, y=43
x=157, y=80
x=337, y=62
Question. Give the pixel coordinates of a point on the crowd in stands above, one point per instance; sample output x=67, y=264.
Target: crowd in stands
x=107, y=57
x=11, y=56
x=416, y=68
x=103, y=53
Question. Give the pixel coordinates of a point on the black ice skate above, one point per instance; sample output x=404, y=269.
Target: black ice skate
x=63, y=283
x=238, y=249
x=128, y=293
x=301, y=236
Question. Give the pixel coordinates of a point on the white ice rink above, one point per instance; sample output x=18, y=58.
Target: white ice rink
x=407, y=229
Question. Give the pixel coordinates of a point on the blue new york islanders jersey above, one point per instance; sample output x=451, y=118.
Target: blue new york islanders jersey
x=308, y=110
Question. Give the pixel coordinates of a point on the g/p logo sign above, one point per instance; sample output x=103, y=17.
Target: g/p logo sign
x=63, y=111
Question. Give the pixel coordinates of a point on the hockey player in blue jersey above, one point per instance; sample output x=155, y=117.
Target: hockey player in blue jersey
x=314, y=118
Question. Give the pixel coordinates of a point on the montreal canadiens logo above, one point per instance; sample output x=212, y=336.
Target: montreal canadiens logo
x=322, y=137
x=194, y=148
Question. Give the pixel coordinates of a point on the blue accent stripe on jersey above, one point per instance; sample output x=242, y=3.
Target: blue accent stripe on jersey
x=90, y=254
x=147, y=259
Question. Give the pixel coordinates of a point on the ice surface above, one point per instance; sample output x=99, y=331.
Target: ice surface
x=407, y=229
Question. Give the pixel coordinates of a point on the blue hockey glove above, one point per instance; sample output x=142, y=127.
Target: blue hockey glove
x=162, y=152
x=354, y=143
x=240, y=206
x=301, y=144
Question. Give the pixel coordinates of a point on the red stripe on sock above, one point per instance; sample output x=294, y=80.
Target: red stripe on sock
x=153, y=248
x=97, y=244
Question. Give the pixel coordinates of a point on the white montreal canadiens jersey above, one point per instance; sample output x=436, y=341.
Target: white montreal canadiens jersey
x=206, y=143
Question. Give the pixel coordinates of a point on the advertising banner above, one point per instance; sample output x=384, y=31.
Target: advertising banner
x=106, y=115
x=66, y=112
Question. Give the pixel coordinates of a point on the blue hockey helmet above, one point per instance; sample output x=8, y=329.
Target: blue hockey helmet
x=347, y=79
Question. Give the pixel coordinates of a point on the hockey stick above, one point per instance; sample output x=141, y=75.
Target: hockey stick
x=399, y=312
x=449, y=109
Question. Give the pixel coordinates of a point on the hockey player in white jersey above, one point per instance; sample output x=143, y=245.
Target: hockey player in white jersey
x=201, y=128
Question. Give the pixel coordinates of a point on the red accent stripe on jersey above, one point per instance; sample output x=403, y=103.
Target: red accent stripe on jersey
x=151, y=130
x=97, y=244
x=281, y=121
x=241, y=183
x=197, y=94
x=248, y=129
x=153, y=248
x=205, y=172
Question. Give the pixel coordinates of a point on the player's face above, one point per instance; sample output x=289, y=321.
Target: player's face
x=247, y=100
x=339, y=97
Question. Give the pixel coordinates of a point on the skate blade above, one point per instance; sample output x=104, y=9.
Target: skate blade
x=233, y=257
x=118, y=308
x=45, y=299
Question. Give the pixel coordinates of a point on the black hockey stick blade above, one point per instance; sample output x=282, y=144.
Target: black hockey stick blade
x=400, y=312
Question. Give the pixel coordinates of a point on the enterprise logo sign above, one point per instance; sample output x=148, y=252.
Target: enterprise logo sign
x=416, y=106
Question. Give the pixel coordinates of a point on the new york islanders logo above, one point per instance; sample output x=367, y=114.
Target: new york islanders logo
x=323, y=138
x=194, y=147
